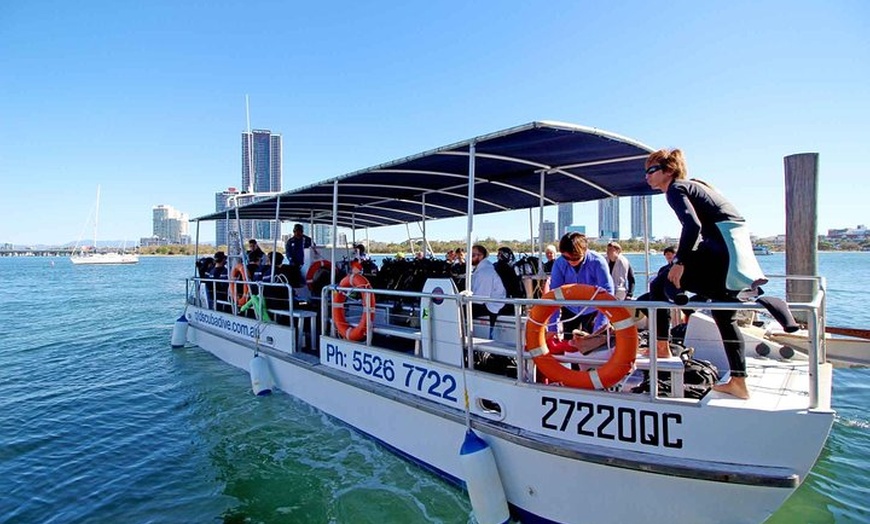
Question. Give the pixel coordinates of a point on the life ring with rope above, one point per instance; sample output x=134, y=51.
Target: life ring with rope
x=238, y=274
x=618, y=366
x=344, y=329
x=312, y=273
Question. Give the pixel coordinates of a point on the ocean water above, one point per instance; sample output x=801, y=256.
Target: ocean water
x=100, y=421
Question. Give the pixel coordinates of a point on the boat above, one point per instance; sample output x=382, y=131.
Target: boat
x=404, y=363
x=88, y=255
x=842, y=350
x=759, y=249
x=109, y=258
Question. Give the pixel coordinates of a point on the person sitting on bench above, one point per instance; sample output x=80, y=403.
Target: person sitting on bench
x=485, y=282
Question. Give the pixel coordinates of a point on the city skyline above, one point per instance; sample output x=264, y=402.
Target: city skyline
x=858, y=232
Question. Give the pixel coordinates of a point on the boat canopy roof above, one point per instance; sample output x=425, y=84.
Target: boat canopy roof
x=577, y=163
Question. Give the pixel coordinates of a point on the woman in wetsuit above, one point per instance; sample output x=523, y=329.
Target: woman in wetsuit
x=701, y=263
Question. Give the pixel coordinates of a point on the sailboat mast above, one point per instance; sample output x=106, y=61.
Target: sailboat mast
x=96, y=217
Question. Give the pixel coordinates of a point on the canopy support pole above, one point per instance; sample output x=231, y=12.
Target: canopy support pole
x=334, y=231
x=353, y=229
x=541, y=217
x=531, y=231
x=423, y=227
x=469, y=325
x=196, y=248
x=275, y=235
x=469, y=222
x=242, y=252
x=644, y=207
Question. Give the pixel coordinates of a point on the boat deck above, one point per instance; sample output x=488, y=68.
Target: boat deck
x=774, y=385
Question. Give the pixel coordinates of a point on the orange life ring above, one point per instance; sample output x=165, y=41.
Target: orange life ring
x=620, y=363
x=238, y=273
x=344, y=329
x=312, y=272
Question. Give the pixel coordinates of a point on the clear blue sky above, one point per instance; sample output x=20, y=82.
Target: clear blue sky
x=147, y=98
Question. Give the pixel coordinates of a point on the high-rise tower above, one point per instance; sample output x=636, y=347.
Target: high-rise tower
x=169, y=225
x=608, y=218
x=221, y=203
x=566, y=218
x=262, y=173
x=548, y=231
x=638, y=204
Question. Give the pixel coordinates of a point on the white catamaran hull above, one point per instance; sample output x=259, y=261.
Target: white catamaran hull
x=104, y=258
x=564, y=455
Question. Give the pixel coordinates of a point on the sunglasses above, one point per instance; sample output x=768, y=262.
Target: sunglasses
x=572, y=259
x=652, y=169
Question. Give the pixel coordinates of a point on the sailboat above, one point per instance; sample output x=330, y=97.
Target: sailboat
x=86, y=256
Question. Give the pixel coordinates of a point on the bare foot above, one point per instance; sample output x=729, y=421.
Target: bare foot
x=735, y=387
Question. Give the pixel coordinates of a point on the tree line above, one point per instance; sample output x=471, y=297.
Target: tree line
x=519, y=247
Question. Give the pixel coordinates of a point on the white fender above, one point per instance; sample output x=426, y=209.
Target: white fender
x=261, y=382
x=179, y=333
x=484, y=486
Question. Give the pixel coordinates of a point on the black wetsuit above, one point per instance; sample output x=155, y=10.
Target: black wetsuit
x=704, y=256
x=220, y=273
x=294, y=249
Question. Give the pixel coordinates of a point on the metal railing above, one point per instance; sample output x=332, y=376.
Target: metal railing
x=813, y=310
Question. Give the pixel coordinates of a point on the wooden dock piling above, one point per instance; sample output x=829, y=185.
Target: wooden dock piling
x=801, y=223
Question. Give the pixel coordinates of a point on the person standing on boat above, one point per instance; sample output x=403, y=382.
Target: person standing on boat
x=579, y=265
x=620, y=271
x=294, y=251
x=296, y=245
x=702, y=259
